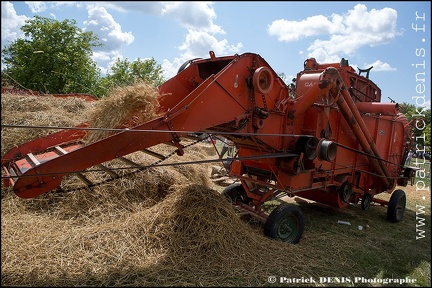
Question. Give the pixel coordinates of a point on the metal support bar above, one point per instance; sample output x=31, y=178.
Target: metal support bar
x=84, y=179
x=33, y=160
x=109, y=171
x=130, y=162
x=154, y=154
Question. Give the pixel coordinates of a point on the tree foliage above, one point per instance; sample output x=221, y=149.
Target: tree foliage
x=55, y=57
x=124, y=73
x=427, y=131
x=420, y=118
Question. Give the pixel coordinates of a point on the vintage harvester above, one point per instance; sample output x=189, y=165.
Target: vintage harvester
x=326, y=138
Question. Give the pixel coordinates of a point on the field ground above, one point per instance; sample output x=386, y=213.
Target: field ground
x=327, y=254
x=170, y=226
x=381, y=251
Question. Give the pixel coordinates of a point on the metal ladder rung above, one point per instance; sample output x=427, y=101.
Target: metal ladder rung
x=33, y=159
x=108, y=171
x=130, y=162
x=154, y=154
x=14, y=175
x=81, y=176
x=84, y=179
x=60, y=150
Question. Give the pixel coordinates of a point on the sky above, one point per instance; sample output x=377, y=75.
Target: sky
x=392, y=36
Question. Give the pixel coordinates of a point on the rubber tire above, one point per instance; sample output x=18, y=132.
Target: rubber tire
x=236, y=192
x=279, y=217
x=396, y=206
x=343, y=192
x=366, y=201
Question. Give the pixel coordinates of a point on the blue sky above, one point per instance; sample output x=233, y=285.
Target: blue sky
x=284, y=33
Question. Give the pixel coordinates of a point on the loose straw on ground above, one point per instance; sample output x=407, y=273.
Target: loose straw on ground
x=163, y=226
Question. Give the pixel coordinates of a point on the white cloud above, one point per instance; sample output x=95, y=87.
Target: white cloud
x=36, y=6
x=381, y=22
x=11, y=23
x=316, y=25
x=380, y=66
x=197, y=17
x=105, y=27
x=106, y=59
x=170, y=68
x=193, y=15
x=197, y=45
x=346, y=33
x=109, y=33
x=145, y=7
x=41, y=6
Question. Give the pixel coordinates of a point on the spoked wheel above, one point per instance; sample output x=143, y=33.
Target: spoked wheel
x=285, y=223
x=235, y=192
x=396, y=206
x=366, y=201
x=345, y=192
x=307, y=145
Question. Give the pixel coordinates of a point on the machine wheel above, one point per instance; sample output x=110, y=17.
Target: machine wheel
x=366, y=201
x=285, y=223
x=307, y=145
x=345, y=192
x=263, y=80
x=235, y=192
x=396, y=206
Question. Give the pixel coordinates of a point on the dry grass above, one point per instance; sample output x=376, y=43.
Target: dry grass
x=125, y=107
x=170, y=226
x=26, y=110
x=187, y=235
x=163, y=226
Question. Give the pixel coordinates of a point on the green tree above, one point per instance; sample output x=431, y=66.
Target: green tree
x=124, y=73
x=55, y=57
x=427, y=131
x=283, y=77
x=423, y=118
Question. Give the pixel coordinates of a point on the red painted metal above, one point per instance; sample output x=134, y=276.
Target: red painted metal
x=378, y=108
x=340, y=140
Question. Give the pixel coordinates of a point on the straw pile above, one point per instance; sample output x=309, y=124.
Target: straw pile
x=164, y=226
x=191, y=236
x=124, y=107
x=26, y=110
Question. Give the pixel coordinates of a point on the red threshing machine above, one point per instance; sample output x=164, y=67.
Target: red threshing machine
x=328, y=138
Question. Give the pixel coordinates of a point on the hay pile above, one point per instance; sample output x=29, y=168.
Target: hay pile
x=27, y=110
x=190, y=236
x=163, y=226
x=124, y=107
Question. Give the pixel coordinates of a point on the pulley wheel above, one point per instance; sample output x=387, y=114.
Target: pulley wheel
x=263, y=80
